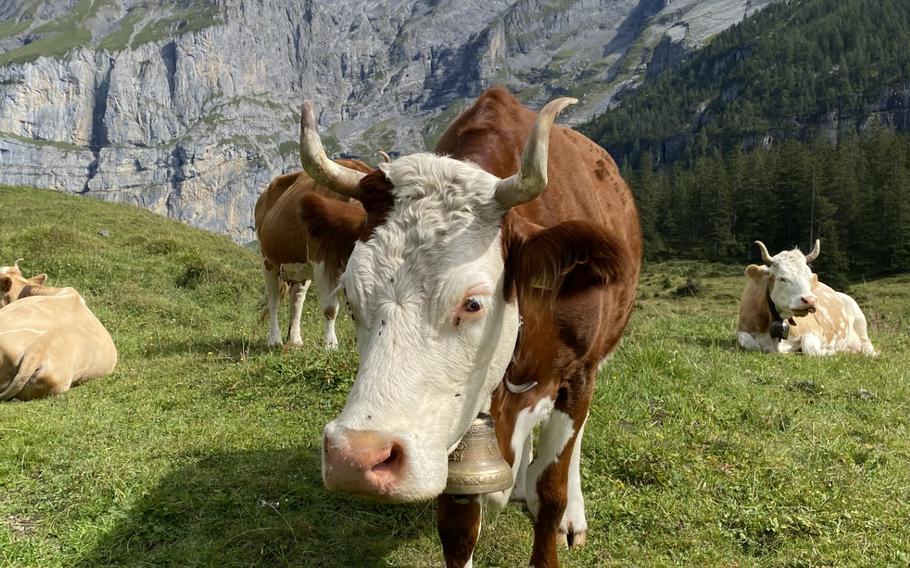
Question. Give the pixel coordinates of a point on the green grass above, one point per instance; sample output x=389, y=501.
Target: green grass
x=202, y=449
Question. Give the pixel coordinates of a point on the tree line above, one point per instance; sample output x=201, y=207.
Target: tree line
x=854, y=196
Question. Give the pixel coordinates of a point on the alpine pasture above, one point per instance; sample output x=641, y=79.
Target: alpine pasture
x=202, y=448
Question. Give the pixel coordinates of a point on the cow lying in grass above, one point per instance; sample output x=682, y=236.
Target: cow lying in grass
x=288, y=259
x=49, y=339
x=785, y=308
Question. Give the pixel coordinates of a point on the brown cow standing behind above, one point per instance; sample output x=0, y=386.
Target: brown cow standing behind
x=288, y=256
x=49, y=341
x=453, y=254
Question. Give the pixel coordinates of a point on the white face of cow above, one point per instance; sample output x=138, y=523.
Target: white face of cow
x=791, y=284
x=434, y=330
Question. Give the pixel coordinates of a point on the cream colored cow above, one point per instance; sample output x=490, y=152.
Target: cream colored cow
x=49, y=341
x=785, y=308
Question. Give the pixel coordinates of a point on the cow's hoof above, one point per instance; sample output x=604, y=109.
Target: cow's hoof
x=272, y=344
x=331, y=346
x=572, y=539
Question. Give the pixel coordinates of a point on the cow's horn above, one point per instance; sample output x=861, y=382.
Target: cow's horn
x=815, y=250
x=385, y=157
x=16, y=264
x=531, y=177
x=764, y=252
x=319, y=167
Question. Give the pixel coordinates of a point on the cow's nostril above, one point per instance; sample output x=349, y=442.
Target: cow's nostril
x=391, y=462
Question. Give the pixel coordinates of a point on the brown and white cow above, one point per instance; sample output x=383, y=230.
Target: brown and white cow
x=785, y=308
x=455, y=251
x=288, y=256
x=13, y=285
x=50, y=341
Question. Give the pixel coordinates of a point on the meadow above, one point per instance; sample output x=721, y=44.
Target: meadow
x=202, y=449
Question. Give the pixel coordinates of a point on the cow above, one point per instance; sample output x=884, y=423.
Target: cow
x=785, y=308
x=474, y=290
x=14, y=286
x=287, y=255
x=50, y=341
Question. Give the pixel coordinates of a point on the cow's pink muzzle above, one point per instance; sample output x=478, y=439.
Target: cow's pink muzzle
x=362, y=461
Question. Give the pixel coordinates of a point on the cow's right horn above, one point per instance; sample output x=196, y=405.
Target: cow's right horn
x=314, y=160
x=16, y=264
x=815, y=250
x=764, y=253
x=531, y=177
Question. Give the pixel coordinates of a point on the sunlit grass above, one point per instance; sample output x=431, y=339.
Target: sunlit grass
x=202, y=449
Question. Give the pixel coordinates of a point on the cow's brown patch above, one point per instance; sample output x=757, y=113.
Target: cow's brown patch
x=333, y=228
x=562, y=260
x=377, y=198
x=458, y=523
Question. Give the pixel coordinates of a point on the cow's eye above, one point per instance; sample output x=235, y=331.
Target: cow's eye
x=472, y=305
x=782, y=279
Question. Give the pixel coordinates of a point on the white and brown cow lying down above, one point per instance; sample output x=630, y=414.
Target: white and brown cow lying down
x=288, y=258
x=49, y=339
x=455, y=250
x=785, y=308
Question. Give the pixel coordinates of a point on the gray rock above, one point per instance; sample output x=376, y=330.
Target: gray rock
x=192, y=119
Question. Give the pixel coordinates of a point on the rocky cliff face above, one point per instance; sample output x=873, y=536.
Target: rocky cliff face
x=190, y=108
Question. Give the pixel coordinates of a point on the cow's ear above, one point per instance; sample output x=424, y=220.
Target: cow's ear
x=565, y=259
x=332, y=228
x=755, y=271
x=814, y=280
x=38, y=279
x=5, y=284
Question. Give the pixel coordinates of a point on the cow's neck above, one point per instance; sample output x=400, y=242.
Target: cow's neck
x=779, y=328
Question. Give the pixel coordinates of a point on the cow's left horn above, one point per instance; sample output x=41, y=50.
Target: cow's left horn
x=16, y=264
x=386, y=159
x=764, y=253
x=531, y=177
x=314, y=160
x=815, y=250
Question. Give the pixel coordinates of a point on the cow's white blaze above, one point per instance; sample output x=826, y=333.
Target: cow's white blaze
x=555, y=434
x=428, y=363
x=522, y=444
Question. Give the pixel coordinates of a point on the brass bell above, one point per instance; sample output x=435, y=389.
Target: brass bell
x=475, y=465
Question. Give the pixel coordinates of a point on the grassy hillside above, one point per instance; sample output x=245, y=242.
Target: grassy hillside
x=203, y=448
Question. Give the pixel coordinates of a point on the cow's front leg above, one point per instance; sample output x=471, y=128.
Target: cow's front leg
x=328, y=301
x=296, y=298
x=547, y=484
x=573, y=530
x=458, y=523
x=272, y=298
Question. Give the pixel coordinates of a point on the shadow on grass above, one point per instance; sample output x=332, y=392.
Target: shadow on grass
x=232, y=348
x=259, y=508
x=721, y=343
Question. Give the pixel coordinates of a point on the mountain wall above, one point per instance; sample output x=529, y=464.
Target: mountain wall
x=190, y=108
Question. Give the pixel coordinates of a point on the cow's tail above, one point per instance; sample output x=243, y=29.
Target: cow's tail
x=29, y=366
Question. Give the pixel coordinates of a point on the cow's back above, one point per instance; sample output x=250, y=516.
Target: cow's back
x=584, y=182
x=278, y=214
